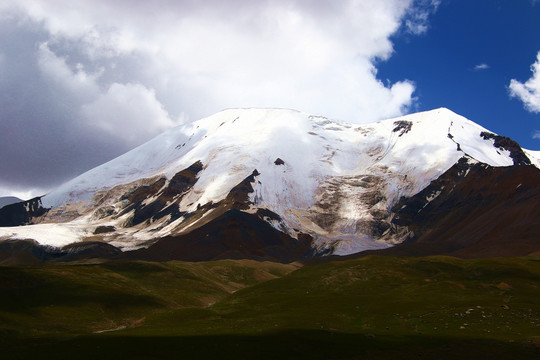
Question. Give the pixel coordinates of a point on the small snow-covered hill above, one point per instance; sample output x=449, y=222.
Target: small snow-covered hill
x=302, y=174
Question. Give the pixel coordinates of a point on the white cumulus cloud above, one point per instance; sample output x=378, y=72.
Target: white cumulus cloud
x=93, y=78
x=416, y=21
x=529, y=91
x=482, y=66
x=129, y=110
x=201, y=57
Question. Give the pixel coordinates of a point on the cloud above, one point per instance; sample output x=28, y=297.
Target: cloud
x=21, y=193
x=63, y=78
x=536, y=134
x=528, y=92
x=482, y=66
x=416, y=19
x=88, y=80
x=130, y=107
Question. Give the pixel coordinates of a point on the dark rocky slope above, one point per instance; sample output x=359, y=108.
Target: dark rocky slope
x=233, y=235
x=21, y=213
x=473, y=210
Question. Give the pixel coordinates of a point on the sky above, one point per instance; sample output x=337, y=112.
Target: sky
x=84, y=81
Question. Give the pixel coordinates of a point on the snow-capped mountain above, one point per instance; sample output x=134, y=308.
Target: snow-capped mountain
x=334, y=182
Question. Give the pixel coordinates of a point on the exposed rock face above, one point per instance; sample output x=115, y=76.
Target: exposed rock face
x=505, y=143
x=153, y=202
x=233, y=235
x=103, y=229
x=473, y=210
x=182, y=181
x=21, y=213
x=278, y=161
x=135, y=199
x=238, y=197
x=351, y=205
x=402, y=126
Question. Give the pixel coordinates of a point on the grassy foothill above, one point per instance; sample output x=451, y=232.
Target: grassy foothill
x=371, y=307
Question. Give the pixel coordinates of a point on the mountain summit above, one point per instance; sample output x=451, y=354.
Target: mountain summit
x=271, y=179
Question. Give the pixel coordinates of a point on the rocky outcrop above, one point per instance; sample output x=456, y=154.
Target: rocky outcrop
x=402, y=126
x=21, y=213
x=238, y=197
x=103, y=229
x=164, y=197
x=278, y=161
x=505, y=143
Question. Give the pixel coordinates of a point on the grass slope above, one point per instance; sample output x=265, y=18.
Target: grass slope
x=77, y=299
x=373, y=307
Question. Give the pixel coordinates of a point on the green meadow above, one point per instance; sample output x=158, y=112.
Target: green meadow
x=373, y=307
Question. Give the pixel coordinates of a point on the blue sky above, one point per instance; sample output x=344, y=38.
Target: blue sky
x=84, y=81
x=502, y=34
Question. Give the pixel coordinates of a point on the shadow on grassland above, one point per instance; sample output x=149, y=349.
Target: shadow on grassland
x=293, y=344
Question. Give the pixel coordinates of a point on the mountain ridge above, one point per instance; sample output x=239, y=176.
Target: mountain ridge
x=333, y=181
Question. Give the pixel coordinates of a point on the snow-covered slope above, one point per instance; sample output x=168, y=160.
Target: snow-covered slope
x=233, y=142
x=333, y=180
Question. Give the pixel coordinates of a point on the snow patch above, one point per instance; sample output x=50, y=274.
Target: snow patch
x=57, y=235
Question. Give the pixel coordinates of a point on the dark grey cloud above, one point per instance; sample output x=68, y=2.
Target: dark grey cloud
x=44, y=137
x=84, y=81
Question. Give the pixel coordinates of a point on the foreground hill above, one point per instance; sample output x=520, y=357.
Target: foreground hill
x=283, y=185
x=374, y=307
